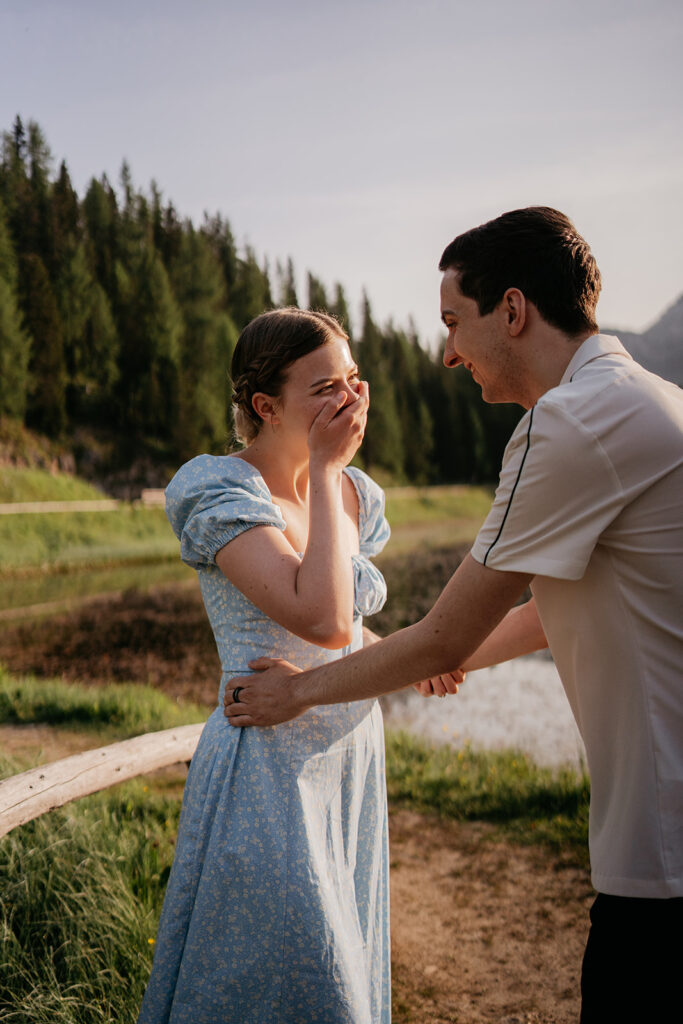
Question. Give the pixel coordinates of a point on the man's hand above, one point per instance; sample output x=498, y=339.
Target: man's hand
x=265, y=698
x=441, y=685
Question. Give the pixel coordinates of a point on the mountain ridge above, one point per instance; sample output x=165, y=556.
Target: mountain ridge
x=660, y=347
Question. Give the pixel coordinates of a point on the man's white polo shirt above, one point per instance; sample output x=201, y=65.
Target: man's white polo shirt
x=590, y=501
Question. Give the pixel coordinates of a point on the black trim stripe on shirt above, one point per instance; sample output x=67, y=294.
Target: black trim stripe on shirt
x=512, y=493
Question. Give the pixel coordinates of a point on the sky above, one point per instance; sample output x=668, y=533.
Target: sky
x=358, y=137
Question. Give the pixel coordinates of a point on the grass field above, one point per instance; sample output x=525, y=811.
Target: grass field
x=42, y=543
x=434, y=517
x=18, y=484
x=45, y=593
x=59, y=540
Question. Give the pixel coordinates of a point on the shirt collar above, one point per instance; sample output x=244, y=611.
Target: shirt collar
x=592, y=348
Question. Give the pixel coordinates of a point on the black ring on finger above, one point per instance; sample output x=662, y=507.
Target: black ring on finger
x=236, y=694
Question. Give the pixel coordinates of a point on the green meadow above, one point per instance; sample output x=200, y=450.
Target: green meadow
x=54, y=542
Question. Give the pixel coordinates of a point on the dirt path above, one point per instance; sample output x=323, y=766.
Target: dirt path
x=482, y=930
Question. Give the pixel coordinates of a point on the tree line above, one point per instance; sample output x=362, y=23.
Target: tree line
x=118, y=319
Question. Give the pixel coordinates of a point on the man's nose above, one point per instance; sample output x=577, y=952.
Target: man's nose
x=450, y=356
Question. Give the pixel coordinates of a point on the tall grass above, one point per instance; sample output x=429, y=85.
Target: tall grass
x=80, y=894
x=81, y=888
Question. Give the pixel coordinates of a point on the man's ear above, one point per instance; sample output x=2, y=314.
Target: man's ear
x=515, y=311
x=265, y=406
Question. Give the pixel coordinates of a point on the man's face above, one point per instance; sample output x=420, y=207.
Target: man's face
x=479, y=343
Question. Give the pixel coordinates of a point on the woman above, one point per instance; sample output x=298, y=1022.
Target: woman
x=277, y=903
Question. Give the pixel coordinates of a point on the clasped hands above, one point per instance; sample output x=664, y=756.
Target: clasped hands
x=440, y=686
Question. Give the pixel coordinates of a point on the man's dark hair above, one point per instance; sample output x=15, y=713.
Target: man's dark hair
x=537, y=250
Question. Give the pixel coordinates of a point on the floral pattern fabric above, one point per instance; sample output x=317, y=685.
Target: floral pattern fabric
x=277, y=907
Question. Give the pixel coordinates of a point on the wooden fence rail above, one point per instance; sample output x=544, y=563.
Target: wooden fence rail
x=26, y=796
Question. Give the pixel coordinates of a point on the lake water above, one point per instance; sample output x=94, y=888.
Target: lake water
x=518, y=704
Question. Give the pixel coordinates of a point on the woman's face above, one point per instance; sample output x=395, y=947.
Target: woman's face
x=311, y=381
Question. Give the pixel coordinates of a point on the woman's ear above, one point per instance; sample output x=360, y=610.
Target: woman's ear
x=265, y=407
x=515, y=311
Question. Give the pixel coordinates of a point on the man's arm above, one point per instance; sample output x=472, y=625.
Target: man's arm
x=519, y=633
x=472, y=604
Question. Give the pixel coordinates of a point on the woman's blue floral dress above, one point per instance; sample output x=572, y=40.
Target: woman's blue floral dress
x=277, y=908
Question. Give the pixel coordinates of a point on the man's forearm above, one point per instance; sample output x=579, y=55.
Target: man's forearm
x=520, y=632
x=472, y=604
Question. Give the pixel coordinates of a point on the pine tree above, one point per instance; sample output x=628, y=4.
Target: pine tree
x=287, y=281
x=15, y=189
x=15, y=351
x=135, y=222
x=39, y=230
x=15, y=344
x=340, y=310
x=317, y=297
x=91, y=344
x=251, y=294
x=8, y=261
x=382, y=443
x=149, y=326
x=417, y=441
x=101, y=214
x=167, y=230
x=198, y=287
x=65, y=223
x=217, y=232
x=99, y=369
x=74, y=295
x=46, y=407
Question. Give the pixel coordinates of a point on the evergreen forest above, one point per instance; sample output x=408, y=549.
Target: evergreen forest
x=118, y=319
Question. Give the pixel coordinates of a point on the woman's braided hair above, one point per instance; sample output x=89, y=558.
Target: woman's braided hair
x=265, y=350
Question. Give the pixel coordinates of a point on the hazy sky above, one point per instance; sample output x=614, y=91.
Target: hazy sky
x=360, y=137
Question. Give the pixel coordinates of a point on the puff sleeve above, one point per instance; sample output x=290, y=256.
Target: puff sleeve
x=373, y=528
x=211, y=500
x=369, y=585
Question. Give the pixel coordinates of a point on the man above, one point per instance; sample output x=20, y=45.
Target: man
x=588, y=513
